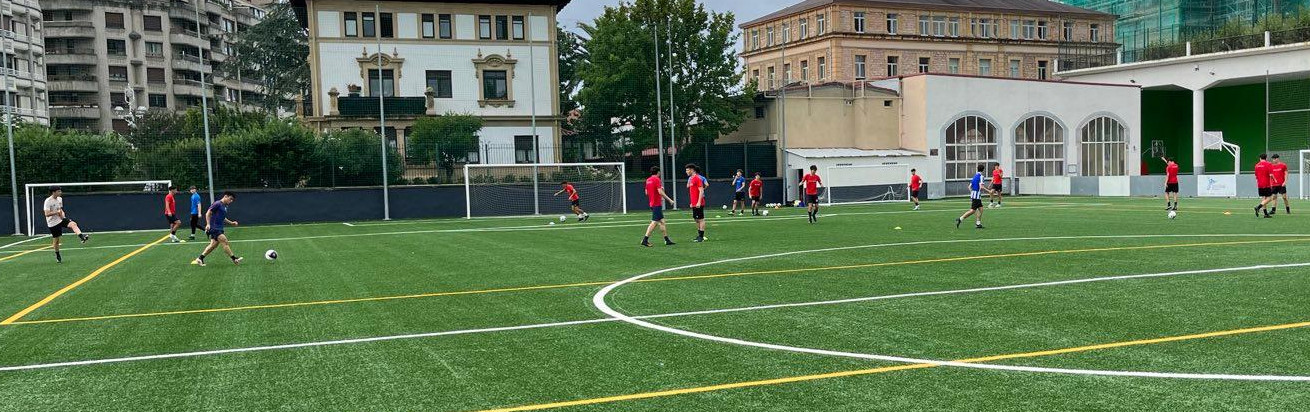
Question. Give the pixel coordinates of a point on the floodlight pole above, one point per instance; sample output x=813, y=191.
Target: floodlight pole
x=659, y=105
x=204, y=113
x=9, y=130
x=673, y=119
x=382, y=122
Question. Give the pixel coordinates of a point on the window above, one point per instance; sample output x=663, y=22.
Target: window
x=502, y=27
x=953, y=65
x=370, y=29
x=953, y=27
x=116, y=47
x=1104, y=142
x=786, y=74
x=1014, y=29
x=518, y=29
x=891, y=65
x=805, y=28
x=859, y=22
x=821, y=23
x=229, y=26
x=154, y=49
x=525, y=149
x=158, y=100
x=1015, y=70
x=970, y=142
x=117, y=73
x=1039, y=147
x=768, y=33
x=444, y=26
x=387, y=23
x=352, y=24
x=1041, y=69
x=939, y=26
x=1029, y=29
x=484, y=27
x=805, y=70
x=383, y=81
x=155, y=75
x=984, y=67
x=1068, y=30
x=755, y=74
x=925, y=25
x=859, y=67
x=429, y=26
x=118, y=99
x=892, y=22
x=440, y=83
x=495, y=85
x=983, y=28
x=924, y=64
x=1041, y=30
x=772, y=79
x=759, y=112
x=786, y=33
x=1096, y=32
x=113, y=20
x=823, y=68
x=755, y=39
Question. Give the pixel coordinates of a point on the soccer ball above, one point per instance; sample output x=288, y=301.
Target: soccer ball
x=563, y=218
x=725, y=207
x=270, y=254
x=766, y=213
x=796, y=204
x=1173, y=214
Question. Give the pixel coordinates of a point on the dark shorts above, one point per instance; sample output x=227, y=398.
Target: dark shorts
x=811, y=199
x=214, y=233
x=1266, y=191
x=698, y=213
x=656, y=213
x=1171, y=188
x=740, y=196
x=171, y=219
x=914, y=194
x=1280, y=190
x=195, y=222
x=58, y=230
x=755, y=198
x=996, y=187
x=976, y=204
x=575, y=202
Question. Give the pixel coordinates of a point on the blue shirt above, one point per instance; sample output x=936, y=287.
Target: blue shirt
x=218, y=216
x=975, y=186
x=195, y=204
x=739, y=183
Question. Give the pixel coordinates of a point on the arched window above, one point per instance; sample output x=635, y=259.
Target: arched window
x=1104, y=142
x=970, y=141
x=1039, y=147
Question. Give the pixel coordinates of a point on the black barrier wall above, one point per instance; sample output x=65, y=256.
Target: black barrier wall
x=6, y=215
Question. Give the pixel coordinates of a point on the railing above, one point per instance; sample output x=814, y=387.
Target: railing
x=187, y=82
x=184, y=31
x=363, y=106
x=73, y=104
x=1217, y=45
x=189, y=58
x=154, y=55
x=117, y=79
x=80, y=77
x=72, y=51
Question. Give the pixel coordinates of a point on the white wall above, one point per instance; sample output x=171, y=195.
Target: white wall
x=329, y=24
x=500, y=141
x=921, y=163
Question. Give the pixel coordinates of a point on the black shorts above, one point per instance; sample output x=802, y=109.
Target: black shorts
x=1280, y=190
x=575, y=202
x=811, y=199
x=214, y=233
x=914, y=194
x=698, y=213
x=976, y=204
x=996, y=187
x=1171, y=188
x=656, y=213
x=755, y=198
x=740, y=196
x=58, y=230
x=1266, y=191
x=171, y=219
x=195, y=222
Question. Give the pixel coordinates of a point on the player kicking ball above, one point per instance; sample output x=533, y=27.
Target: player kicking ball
x=215, y=220
x=574, y=200
x=655, y=193
x=975, y=200
x=57, y=221
x=812, y=182
x=915, y=183
x=1170, y=184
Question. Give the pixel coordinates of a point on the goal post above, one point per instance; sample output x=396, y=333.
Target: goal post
x=494, y=190
x=1302, y=182
x=32, y=190
x=1219, y=185
x=867, y=183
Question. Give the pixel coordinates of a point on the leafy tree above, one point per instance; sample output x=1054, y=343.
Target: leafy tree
x=572, y=55
x=276, y=155
x=46, y=155
x=448, y=139
x=352, y=157
x=274, y=52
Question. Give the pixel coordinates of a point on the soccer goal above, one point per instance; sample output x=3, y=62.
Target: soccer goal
x=529, y=189
x=1216, y=185
x=867, y=184
x=1302, y=182
x=34, y=195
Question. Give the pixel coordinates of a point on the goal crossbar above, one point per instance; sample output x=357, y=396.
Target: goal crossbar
x=537, y=184
x=882, y=183
x=29, y=188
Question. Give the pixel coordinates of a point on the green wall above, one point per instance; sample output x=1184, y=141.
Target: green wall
x=1167, y=116
x=1239, y=112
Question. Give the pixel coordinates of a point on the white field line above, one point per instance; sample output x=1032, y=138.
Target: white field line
x=347, y=224
x=631, y=319
x=31, y=239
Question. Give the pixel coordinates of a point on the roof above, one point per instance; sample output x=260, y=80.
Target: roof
x=1012, y=79
x=850, y=152
x=299, y=5
x=1039, y=6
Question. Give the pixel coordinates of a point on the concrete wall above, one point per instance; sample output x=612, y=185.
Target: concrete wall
x=1123, y=186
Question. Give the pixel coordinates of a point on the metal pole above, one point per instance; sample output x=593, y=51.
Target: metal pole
x=659, y=104
x=532, y=79
x=204, y=112
x=1266, y=111
x=382, y=116
x=782, y=118
x=9, y=127
x=673, y=119
x=536, y=192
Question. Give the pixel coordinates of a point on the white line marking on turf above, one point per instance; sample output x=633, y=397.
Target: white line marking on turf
x=347, y=224
x=705, y=312
x=25, y=241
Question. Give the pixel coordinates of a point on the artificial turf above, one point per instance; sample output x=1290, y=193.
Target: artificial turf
x=386, y=279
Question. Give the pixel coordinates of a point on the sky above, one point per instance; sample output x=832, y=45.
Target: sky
x=745, y=10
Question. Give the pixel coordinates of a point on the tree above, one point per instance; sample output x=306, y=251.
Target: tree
x=352, y=157
x=274, y=52
x=448, y=139
x=572, y=55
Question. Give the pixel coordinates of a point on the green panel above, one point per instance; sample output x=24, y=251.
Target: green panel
x=1166, y=117
x=1239, y=112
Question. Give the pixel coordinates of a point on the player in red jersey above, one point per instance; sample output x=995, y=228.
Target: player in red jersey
x=915, y=183
x=812, y=182
x=696, y=198
x=1264, y=184
x=170, y=214
x=1278, y=176
x=1170, y=183
x=995, y=198
x=756, y=189
x=655, y=193
x=574, y=200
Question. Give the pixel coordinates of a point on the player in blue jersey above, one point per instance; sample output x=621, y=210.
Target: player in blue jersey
x=196, y=212
x=975, y=200
x=739, y=196
x=215, y=220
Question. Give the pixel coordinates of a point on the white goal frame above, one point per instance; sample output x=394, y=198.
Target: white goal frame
x=468, y=198
x=1300, y=174
x=1215, y=141
x=28, y=190
x=905, y=182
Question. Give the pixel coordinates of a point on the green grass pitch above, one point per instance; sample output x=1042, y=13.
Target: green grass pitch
x=1205, y=312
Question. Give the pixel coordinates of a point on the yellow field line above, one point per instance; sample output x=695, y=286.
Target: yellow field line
x=74, y=285
x=602, y=283
x=858, y=372
x=24, y=253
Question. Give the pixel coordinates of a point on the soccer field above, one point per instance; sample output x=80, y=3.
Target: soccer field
x=1059, y=304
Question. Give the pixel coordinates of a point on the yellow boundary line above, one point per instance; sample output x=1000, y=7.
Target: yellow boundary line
x=871, y=371
x=12, y=319
x=15, y=256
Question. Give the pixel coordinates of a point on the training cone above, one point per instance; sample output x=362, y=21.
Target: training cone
x=1227, y=213
x=898, y=228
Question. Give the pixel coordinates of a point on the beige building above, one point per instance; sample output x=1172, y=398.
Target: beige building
x=818, y=41
x=97, y=52
x=20, y=36
x=829, y=115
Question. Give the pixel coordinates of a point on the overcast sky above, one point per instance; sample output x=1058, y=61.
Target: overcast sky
x=745, y=10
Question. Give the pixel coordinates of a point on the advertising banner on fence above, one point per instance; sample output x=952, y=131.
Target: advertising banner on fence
x=1216, y=186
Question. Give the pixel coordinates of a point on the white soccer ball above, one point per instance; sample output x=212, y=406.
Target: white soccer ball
x=1173, y=214
x=796, y=203
x=270, y=254
x=563, y=218
x=766, y=213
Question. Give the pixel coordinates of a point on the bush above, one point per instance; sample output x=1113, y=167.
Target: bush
x=46, y=156
x=351, y=157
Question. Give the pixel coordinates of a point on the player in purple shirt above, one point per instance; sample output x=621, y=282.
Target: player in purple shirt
x=215, y=220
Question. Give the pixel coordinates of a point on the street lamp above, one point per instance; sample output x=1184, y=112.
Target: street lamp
x=129, y=115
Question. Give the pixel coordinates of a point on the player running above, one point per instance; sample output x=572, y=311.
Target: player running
x=215, y=220
x=170, y=214
x=756, y=193
x=812, y=182
x=739, y=194
x=196, y=213
x=915, y=183
x=1278, y=175
x=1170, y=183
x=696, y=198
x=1264, y=184
x=995, y=196
x=655, y=193
x=574, y=200
x=975, y=200
x=57, y=221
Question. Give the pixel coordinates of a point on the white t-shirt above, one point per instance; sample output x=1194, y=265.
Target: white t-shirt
x=53, y=204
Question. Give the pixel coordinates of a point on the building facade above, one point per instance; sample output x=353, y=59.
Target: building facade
x=494, y=60
x=24, y=87
x=1144, y=23
x=100, y=52
x=848, y=40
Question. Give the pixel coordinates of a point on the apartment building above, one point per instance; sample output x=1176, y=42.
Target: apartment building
x=23, y=89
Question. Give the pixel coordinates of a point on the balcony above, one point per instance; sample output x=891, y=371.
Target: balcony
x=77, y=55
x=187, y=87
x=69, y=29
x=75, y=111
x=182, y=61
x=362, y=106
x=188, y=37
x=85, y=82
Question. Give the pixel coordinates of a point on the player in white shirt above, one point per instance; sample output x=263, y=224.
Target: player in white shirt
x=57, y=221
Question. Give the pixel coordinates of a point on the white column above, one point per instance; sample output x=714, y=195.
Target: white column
x=1198, y=127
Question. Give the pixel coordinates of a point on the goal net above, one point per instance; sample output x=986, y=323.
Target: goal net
x=529, y=189
x=867, y=184
x=1302, y=183
x=138, y=205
